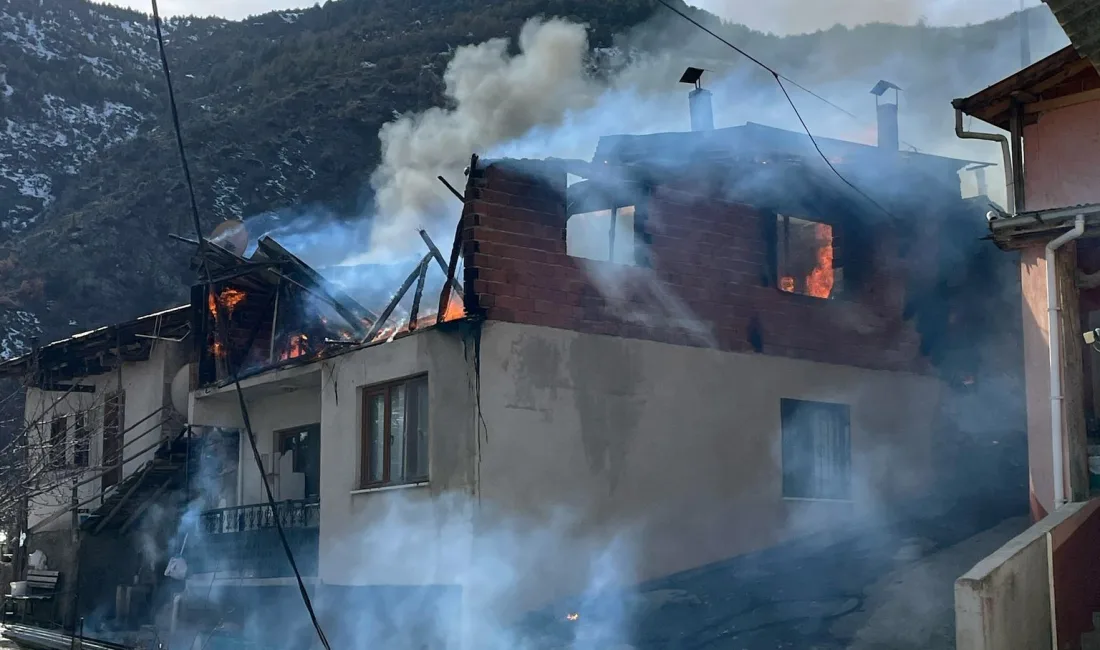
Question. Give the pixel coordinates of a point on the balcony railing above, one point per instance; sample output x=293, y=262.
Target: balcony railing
x=239, y=519
x=243, y=541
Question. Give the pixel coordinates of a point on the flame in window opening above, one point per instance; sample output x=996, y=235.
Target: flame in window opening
x=455, y=309
x=296, y=347
x=819, y=283
x=786, y=283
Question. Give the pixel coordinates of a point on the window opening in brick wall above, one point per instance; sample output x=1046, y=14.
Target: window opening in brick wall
x=808, y=258
x=395, y=433
x=603, y=235
x=57, y=443
x=82, y=439
x=817, y=450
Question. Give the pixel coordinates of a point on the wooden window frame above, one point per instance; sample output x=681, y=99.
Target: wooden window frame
x=778, y=235
x=365, y=432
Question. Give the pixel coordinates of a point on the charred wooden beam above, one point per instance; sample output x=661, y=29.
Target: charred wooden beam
x=452, y=189
x=415, y=312
x=452, y=268
x=439, y=259
x=388, y=311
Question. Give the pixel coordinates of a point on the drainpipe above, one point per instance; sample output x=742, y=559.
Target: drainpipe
x=1010, y=188
x=1054, y=308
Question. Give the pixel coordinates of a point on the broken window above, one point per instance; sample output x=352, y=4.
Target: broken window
x=603, y=235
x=817, y=452
x=57, y=443
x=395, y=433
x=81, y=441
x=304, y=445
x=807, y=257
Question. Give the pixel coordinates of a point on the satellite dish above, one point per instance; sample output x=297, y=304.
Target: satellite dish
x=181, y=384
x=231, y=235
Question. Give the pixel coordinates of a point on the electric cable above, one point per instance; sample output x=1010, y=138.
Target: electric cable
x=219, y=333
x=779, y=79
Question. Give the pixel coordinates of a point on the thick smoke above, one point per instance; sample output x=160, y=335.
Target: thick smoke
x=498, y=98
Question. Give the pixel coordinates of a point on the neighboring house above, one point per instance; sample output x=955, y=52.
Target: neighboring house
x=708, y=343
x=100, y=432
x=1040, y=591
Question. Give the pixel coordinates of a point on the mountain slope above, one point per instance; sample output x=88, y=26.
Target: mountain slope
x=283, y=110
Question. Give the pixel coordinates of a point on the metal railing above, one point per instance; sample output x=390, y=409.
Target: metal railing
x=291, y=514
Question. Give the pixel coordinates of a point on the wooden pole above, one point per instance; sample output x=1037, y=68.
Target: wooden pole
x=1073, y=385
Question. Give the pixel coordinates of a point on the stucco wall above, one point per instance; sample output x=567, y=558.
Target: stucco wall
x=407, y=535
x=679, y=446
x=146, y=390
x=1061, y=153
x=1037, y=375
x=276, y=401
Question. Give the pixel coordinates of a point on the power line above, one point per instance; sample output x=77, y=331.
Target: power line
x=176, y=122
x=779, y=79
x=219, y=333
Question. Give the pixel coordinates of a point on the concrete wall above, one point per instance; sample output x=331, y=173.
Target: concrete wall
x=276, y=401
x=146, y=387
x=1062, y=152
x=1004, y=602
x=679, y=446
x=408, y=535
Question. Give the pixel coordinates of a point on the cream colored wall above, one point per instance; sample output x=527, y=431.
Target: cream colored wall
x=276, y=401
x=408, y=535
x=146, y=389
x=679, y=446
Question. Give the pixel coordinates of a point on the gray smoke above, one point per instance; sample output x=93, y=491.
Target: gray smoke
x=497, y=98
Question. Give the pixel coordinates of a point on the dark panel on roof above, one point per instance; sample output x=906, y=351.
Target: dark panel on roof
x=1081, y=21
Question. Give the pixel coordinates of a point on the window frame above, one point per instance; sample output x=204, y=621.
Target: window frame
x=82, y=440
x=366, y=431
x=791, y=427
x=780, y=239
x=57, y=444
x=282, y=435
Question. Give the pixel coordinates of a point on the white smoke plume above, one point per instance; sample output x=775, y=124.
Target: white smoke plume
x=497, y=98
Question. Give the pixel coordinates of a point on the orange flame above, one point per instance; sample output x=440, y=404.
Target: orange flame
x=455, y=309
x=296, y=347
x=786, y=283
x=819, y=283
x=229, y=298
x=217, y=350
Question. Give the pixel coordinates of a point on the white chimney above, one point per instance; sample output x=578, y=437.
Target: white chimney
x=699, y=101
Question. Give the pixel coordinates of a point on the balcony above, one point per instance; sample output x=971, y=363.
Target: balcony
x=243, y=542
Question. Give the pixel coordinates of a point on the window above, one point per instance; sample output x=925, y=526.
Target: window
x=395, y=433
x=305, y=444
x=806, y=254
x=603, y=235
x=817, y=453
x=57, y=443
x=114, y=411
x=82, y=441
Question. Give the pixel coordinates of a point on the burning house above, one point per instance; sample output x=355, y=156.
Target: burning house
x=708, y=337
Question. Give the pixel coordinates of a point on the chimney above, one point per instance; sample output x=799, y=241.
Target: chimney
x=699, y=101
x=887, y=115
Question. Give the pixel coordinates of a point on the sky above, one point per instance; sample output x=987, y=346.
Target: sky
x=778, y=16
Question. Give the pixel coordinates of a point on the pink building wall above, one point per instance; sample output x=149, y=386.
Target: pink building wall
x=1061, y=169
x=1062, y=157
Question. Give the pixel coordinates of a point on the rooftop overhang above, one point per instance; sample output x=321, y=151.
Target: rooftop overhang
x=1038, y=226
x=1061, y=79
x=98, y=351
x=1080, y=19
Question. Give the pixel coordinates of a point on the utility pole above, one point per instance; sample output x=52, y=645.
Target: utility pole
x=1025, y=36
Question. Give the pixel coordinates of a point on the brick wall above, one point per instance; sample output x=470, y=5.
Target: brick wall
x=708, y=267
